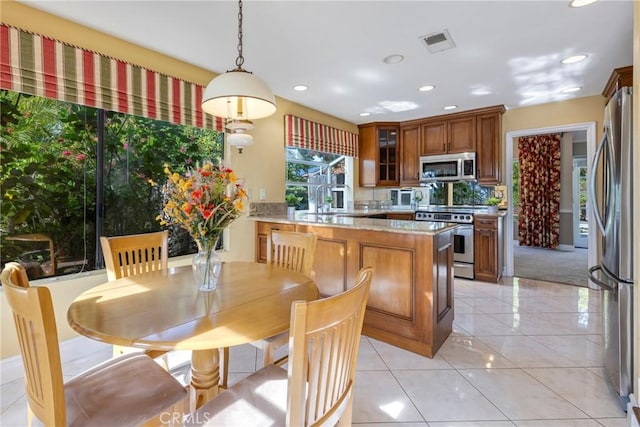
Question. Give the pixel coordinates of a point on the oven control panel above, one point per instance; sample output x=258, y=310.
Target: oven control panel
x=461, y=218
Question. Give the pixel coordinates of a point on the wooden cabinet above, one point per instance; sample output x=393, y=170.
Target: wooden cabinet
x=453, y=135
x=378, y=157
x=390, y=152
x=263, y=231
x=620, y=77
x=488, y=247
x=404, y=216
x=411, y=299
x=410, y=155
x=489, y=147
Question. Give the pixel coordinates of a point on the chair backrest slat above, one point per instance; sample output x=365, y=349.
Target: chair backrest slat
x=292, y=250
x=323, y=349
x=35, y=324
x=131, y=255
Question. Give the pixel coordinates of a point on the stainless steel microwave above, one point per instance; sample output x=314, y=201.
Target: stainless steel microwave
x=448, y=167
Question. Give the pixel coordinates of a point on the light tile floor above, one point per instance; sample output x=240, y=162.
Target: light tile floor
x=523, y=353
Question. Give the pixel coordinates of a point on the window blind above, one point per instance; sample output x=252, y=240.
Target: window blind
x=38, y=65
x=315, y=136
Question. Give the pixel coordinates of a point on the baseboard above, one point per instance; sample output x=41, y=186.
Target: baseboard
x=566, y=248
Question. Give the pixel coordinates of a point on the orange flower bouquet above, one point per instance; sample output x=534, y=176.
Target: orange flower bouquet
x=203, y=201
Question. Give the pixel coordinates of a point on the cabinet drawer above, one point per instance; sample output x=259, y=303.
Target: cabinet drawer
x=491, y=224
x=400, y=216
x=266, y=227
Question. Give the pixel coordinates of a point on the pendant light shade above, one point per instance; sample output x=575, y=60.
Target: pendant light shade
x=240, y=140
x=238, y=136
x=238, y=94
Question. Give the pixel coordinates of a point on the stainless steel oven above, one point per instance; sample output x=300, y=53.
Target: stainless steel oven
x=462, y=237
x=463, y=251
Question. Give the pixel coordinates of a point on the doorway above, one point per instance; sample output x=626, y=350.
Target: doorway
x=590, y=129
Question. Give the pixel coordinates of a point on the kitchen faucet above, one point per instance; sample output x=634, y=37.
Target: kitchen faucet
x=325, y=186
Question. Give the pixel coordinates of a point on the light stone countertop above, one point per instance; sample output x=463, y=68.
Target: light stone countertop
x=355, y=220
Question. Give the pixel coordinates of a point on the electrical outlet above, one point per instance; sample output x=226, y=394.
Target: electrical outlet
x=263, y=194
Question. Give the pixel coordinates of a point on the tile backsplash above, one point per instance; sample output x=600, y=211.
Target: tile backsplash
x=267, y=208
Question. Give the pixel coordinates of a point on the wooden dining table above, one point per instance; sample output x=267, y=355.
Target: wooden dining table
x=164, y=310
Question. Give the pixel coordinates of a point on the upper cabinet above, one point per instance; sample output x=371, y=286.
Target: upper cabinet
x=409, y=155
x=390, y=152
x=379, y=153
x=489, y=147
x=453, y=135
x=620, y=77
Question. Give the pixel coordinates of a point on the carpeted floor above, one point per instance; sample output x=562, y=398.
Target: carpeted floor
x=551, y=265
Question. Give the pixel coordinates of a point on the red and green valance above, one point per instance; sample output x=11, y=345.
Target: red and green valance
x=38, y=65
x=310, y=135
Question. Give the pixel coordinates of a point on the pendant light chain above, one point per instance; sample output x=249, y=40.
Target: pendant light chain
x=240, y=58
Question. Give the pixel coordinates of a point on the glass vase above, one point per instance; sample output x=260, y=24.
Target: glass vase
x=206, y=267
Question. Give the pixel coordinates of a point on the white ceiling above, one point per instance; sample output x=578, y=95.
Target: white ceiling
x=507, y=52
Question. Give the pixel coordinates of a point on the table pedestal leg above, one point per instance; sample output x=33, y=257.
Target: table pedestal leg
x=205, y=376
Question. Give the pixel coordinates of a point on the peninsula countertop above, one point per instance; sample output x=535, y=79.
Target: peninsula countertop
x=358, y=220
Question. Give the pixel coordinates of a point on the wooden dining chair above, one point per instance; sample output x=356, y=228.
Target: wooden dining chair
x=131, y=255
x=292, y=251
x=129, y=390
x=317, y=388
x=134, y=254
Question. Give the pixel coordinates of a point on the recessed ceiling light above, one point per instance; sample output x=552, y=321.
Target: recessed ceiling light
x=571, y=89
x=426, y=88
x=365, y=114
x=574, y=59
x=580, y=3
x=300, y=88
x=393, y=59
x=450, y=107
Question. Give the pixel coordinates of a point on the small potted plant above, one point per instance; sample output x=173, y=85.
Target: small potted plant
x=492, y=205
x=292, y=203
x=328, y=200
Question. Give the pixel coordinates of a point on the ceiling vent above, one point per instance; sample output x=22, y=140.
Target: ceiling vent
x=437, y=42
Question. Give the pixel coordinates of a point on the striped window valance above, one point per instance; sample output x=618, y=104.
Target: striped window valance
x=310, y=135
x=38, y=65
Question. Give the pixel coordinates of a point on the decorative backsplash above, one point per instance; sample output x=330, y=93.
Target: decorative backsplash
x=267, y=208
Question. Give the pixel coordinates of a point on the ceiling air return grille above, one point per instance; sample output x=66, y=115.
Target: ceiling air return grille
x=437, y=42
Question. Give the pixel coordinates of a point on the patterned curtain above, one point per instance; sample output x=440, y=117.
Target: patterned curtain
x=539, y=161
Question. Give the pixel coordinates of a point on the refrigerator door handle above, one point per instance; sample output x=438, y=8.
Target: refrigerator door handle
x=596, y=280
x=592, y=183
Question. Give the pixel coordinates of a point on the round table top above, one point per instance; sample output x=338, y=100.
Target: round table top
x=165, y=310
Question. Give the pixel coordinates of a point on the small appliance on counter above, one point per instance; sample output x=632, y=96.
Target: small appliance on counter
x=402, y=197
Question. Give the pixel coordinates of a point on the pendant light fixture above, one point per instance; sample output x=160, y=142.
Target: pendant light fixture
x=238, y=96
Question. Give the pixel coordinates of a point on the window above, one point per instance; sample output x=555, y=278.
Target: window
x=70, y=173
x=318, y=179
x=467, y=193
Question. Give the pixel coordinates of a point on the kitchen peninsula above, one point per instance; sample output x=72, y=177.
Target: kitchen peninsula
x=411, y=299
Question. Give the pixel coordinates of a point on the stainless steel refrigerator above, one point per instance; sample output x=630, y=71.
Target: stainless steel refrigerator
x=611, y=195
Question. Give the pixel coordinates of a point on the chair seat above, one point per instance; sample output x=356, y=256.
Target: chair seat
x=105, y=395
x=258, y=400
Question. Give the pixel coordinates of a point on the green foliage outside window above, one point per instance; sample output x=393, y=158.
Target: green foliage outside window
x=49, y=171
x=467, y=193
